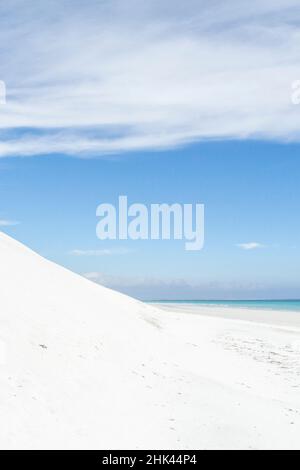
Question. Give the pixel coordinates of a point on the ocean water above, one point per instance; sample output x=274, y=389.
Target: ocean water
x=287, y=305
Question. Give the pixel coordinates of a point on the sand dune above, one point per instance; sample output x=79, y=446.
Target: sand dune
x=86, y=367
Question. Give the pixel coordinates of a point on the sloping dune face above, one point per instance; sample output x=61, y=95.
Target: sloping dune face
x=72, y=361
x=83, y=367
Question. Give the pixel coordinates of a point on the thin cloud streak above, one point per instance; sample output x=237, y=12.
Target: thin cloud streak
x=104, y=252
x=8, y=223
x=250, y=246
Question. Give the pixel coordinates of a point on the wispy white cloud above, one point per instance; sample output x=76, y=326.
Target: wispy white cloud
x=104, y=252
x=8, y=223
x=93, y=78
x=250, y=246
x=124, y=282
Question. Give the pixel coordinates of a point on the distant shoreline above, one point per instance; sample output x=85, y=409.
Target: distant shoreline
x=266, y=305
x=275, y=317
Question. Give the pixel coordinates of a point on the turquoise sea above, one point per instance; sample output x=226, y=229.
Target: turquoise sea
x=290, y=305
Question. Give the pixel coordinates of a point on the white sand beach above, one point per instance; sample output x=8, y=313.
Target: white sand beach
x=84, y=367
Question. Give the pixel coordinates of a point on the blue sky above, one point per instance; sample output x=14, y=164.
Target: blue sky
x=163, y=102
x=250, y=190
